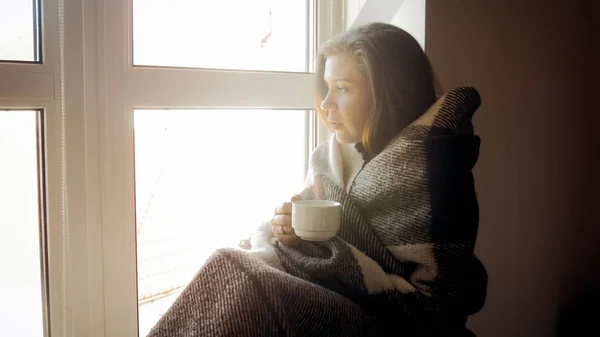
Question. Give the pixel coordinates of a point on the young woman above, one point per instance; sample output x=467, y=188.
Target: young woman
x=399, y=162
x=371, y=83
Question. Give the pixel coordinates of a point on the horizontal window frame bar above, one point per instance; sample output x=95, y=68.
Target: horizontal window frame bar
x=153, y=87
x=31, y=82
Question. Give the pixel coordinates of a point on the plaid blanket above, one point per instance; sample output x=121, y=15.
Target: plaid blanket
x=402, y=263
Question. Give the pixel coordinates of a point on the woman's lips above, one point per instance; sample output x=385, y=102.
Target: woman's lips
x=335, y=126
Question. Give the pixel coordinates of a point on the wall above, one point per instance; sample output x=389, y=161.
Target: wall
x=411, y=17
x=537, y=178
x=406, y=14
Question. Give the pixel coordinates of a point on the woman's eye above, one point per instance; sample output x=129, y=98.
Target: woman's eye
x=342, y=89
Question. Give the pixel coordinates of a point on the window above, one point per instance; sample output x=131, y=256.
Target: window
x=194, y=166
x=114, y=98
x=271, y=35
x=201, y=96
x=22, y=281
x=106, y=113
x=204, y=179
x=20, y=31
x=30, y=202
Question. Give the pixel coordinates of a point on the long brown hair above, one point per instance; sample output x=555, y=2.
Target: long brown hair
x=398, y=72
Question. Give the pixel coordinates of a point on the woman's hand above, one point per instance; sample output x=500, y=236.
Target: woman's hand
x=281, y=224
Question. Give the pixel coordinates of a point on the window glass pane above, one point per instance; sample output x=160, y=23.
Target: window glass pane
x=225, y=34
x=21, y=311
x=19, y=30
x=205, y=179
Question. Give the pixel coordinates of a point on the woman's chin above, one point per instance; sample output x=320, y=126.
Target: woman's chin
x=342, y=139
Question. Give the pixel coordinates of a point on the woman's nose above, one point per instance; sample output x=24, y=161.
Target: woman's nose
x=328, y=104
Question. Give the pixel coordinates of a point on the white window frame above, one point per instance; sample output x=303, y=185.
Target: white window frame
x=60, y=87
x=87, y=89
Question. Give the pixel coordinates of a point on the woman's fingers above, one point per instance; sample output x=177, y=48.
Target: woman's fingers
x=289, y=240
x=281, y=223
x=283, y=230
x=285, y=208
x=281, y=219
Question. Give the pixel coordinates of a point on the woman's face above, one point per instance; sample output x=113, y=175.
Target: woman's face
x=349, y=102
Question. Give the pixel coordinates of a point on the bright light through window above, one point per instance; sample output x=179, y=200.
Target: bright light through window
x=21, y=308
x=19, y=33
x=225, y=34
x=205, y=179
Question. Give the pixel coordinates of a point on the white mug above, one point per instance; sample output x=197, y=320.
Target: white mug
x=316, y=220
